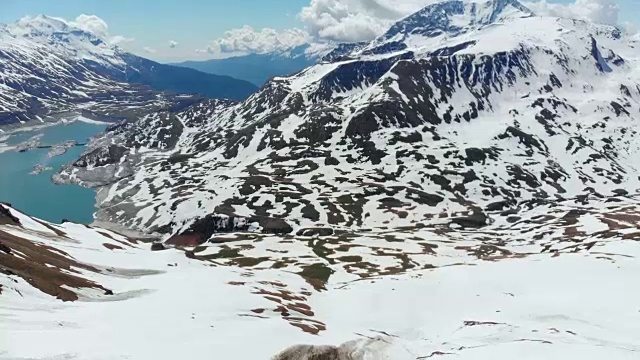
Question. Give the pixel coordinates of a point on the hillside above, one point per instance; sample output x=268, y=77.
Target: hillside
x=502, y=113
x=462, y=295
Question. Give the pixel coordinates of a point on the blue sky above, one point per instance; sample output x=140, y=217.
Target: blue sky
x=195, y=23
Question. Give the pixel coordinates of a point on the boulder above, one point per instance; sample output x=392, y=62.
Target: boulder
x=4, y=248
x=309, y=352
x=315, y=232
x=158, y=247
x=275, y=226
x=476, y=220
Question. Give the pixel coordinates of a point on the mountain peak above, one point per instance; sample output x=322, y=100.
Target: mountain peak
x=455, y=17
x=51, y=31
x=38, y=25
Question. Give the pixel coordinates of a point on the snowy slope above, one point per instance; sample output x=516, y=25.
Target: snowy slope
x=563, y=291
x=454, y=127
x=49, y=67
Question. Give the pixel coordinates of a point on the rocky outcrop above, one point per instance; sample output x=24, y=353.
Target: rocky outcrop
x=373, y=348
x=6, y=217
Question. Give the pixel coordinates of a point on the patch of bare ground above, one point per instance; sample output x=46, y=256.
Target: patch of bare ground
x=613, y=224
x=572, y=232
x=433, y=354
x=112, y=246
x=55, y=230
x=309, y=326
x=316, y=275
x=632, y=220
x=49, y=270
x=128, y=242
x=289, y=304
x=471, y=323
x=487, y=252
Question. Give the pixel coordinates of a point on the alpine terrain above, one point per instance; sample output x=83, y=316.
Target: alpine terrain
x=49, y=68
x=465, y=186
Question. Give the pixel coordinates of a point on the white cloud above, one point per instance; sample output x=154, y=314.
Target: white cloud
x=355, y=20
x=600, y=11
x=149, y=50
x=324, y=21
x=98, y=27
x=93, y=24
x=363, y=20
x=120, y=40
x=248, y=40
x=173, y=44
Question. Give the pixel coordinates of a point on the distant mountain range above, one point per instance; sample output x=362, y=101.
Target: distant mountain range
x=257, y=68
x=164, y=77
x=49, y=67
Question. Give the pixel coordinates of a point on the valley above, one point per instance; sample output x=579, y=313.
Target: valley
x=464, y=186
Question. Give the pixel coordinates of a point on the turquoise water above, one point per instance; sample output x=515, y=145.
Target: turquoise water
x=37, y=195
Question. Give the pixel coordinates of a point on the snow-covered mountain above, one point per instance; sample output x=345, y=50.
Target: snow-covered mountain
x=448, y=125
x=49, y=67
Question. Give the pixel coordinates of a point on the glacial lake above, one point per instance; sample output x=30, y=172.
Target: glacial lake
x=37, y=195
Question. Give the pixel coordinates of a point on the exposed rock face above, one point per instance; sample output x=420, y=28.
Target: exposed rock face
x=157, y=247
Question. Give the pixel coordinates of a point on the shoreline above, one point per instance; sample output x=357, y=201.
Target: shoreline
x=63, y=118
x=37, y=127
x=5, y=135
x=130, y=233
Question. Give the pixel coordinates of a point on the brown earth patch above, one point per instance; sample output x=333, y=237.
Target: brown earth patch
x=481, y=323
x=55, y=230
x=182, y=241
x=112, y=246
x=435, y=353
x=282, y=294
x=313, y=327
x=32, y=268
